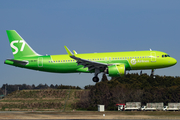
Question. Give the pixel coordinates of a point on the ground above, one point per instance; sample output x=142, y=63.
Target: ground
x=89, y=115
x=58, y=104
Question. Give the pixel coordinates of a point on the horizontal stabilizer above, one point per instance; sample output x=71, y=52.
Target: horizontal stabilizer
x=19, y=62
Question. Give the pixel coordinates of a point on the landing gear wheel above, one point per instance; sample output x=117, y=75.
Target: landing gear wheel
x=95, y=79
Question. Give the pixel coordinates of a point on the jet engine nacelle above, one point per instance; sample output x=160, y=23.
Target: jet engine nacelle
x=116, y=70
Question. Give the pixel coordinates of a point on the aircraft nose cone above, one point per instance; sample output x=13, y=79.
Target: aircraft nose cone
x=174, y=61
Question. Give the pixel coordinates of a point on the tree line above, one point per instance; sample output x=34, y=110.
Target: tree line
x=131, y=88
x=12, y=88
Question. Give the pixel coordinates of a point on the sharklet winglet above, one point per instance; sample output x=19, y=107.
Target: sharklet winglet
x=68, y=51
x=74, y=52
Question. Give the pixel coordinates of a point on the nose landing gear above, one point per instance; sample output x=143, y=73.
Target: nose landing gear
x=141, y=72
x=152, y=73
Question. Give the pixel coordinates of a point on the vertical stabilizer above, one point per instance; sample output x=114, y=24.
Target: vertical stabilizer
x=19, y=46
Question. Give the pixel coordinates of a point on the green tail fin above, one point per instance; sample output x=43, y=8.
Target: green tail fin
x=19, y=46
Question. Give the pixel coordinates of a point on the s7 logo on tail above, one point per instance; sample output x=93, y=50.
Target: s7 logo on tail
x=15, y=48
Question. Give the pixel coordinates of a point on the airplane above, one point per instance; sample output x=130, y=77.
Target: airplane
x=111, y=63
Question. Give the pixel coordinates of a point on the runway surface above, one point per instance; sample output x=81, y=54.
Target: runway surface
x=89, y=115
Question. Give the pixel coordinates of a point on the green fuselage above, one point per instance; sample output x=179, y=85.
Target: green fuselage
x=136, y=60
x=112, y=63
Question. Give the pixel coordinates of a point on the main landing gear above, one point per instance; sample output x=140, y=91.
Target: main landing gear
x=95, y=78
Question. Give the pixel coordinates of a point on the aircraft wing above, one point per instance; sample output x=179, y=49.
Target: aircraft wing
x=86, y=63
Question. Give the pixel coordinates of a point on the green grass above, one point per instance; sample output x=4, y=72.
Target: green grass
x=43, y=99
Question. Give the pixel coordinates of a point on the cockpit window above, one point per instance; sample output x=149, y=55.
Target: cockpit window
x=165, y=56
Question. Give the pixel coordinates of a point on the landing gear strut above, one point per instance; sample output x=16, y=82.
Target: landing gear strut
x=141, y=72
x=152, y=73
x=95, y=78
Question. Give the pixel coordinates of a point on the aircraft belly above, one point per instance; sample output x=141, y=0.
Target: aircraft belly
x=61, y=67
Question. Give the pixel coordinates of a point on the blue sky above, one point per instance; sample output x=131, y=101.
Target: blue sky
x=87, y=26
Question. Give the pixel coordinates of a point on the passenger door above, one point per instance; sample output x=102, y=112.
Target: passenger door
x=40, y=62
x=153, y=57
